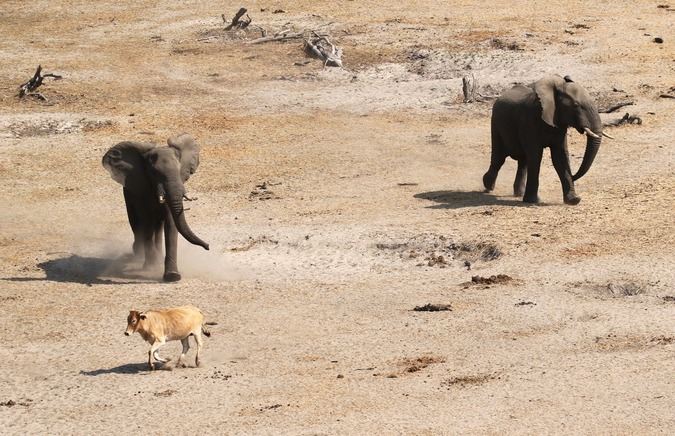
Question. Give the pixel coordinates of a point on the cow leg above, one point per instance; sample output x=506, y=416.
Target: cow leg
x=186, y=347
x=154, y=353
x=198, y=338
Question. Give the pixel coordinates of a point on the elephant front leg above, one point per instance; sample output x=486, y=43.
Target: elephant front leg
x=171, y=273
x=532, y=184
x=134, y=221
x=561, y=163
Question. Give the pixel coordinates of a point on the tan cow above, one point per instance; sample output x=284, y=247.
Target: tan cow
x=159, y=326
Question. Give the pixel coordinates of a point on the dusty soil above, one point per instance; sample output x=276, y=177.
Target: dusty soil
x=336, y=201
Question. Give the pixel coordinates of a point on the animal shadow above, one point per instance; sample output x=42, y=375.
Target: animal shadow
x=129, y=368
x=88, y=270
x=461, y=199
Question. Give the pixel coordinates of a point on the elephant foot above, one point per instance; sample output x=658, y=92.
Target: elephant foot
x=572, y=198
x=489, y=181
x=531, y=198
x=518, y=192
x=172, y=276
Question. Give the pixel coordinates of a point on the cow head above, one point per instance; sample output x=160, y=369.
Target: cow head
x=133, y=321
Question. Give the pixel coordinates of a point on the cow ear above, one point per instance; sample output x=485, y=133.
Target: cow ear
x=546, y=90
x=142, y=316
x=124, y=162
x=188, y=154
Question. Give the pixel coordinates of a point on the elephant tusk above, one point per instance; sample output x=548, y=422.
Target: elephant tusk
x=607, y=136
x=589, y=132
x=161, y=199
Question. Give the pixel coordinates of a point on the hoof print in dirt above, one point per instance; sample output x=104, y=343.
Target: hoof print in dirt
x=468, y=380
x=412, y=365
x=433, y=308
x=439, y=251
x=498, y=279
x=262, y=192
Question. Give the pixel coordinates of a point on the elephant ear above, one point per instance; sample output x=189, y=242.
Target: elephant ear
x=124, y=162
x=188, y=154
x=546, y=89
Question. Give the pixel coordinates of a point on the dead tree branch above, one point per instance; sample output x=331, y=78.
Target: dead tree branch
x=617, y=106
x=281, y=36
x=237, y=22
x=626, y=119
x=469, y=87
x=30, y=86
x=320, y=46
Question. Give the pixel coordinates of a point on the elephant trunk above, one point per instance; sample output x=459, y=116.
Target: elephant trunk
x=174, y=201
x=593, y=139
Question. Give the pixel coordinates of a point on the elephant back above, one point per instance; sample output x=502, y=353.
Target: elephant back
x=124, y=162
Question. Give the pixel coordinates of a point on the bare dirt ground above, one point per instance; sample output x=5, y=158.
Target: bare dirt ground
x=336, y=201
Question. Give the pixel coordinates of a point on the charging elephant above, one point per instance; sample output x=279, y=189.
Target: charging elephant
x=153, y=179
x=527, y=119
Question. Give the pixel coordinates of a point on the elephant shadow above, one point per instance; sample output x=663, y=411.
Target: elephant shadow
x=462, y=199
x=90, y=270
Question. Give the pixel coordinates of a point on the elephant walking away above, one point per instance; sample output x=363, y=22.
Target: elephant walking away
x=527, y=119
x=153, y=179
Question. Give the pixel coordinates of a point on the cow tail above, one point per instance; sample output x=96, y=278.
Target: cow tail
x=206, y=332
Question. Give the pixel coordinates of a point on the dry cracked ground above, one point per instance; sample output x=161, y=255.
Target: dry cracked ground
x=359, y=280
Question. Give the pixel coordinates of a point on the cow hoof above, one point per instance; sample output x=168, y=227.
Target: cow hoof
x=173, y=276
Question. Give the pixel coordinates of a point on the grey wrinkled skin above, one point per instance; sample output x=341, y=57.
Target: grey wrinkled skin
x=153, y=184
x=527, y=119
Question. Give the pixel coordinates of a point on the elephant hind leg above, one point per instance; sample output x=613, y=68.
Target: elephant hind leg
x=496, y=161
x=521, y=177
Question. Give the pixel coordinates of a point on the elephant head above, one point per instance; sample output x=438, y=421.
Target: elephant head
x=564, y=104
x=158, y=172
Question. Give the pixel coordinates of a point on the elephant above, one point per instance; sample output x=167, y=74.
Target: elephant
x=153, y=184
x=527, y=119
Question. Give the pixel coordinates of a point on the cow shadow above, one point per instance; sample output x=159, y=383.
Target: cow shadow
x=129, y=368
x=90, y=270
x=462, y=199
